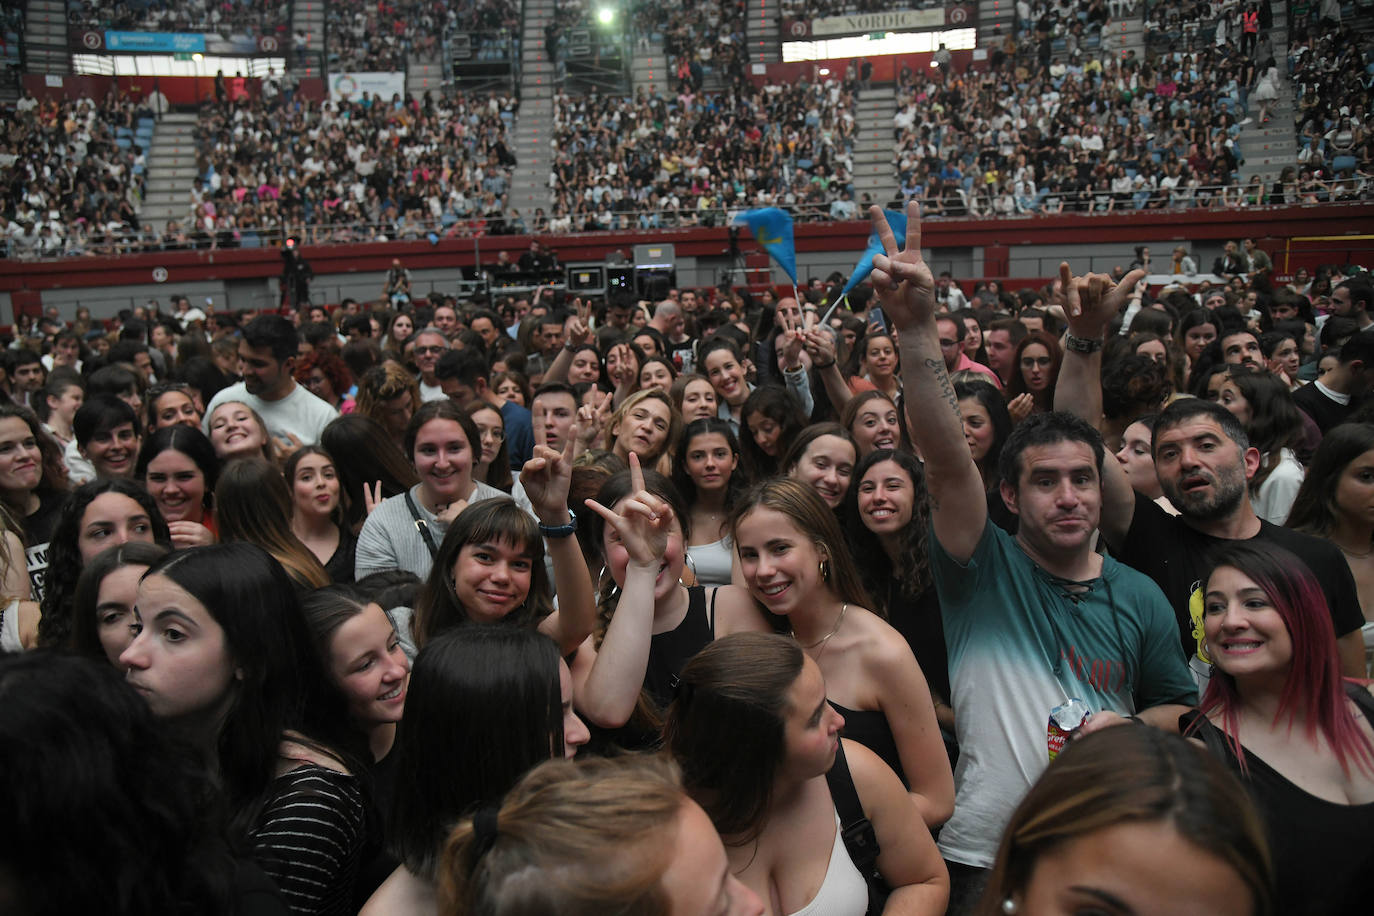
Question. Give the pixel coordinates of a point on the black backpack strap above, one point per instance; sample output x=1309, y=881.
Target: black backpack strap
x=855, y=828
x=422, y=526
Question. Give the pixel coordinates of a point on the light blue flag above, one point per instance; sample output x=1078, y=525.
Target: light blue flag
x=897, y=220
x=772, y=228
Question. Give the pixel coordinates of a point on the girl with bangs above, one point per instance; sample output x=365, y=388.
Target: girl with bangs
x=490, y=566
x=1277, y=711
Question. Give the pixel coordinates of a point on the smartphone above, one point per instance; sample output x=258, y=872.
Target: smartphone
x=876, y=316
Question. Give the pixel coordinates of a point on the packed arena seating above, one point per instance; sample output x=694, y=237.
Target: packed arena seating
x=352, y=171
x=1067, y=26
x=699, y=40
x=253, y=17
x=72, y=177
x=658, y=163
x=368, y=36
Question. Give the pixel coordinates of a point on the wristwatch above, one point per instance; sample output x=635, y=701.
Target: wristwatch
x=560, y=531
x=1082, y=344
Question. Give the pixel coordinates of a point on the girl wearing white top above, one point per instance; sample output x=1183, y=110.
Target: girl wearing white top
x=708, y=475
x=755, y=737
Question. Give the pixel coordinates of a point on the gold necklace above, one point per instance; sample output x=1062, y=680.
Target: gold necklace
x=1358, y=556
x=833, y=630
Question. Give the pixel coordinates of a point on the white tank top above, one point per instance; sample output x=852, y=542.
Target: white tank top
x=844, y=891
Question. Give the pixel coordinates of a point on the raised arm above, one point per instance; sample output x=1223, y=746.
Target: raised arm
x=576, y=331
x=613, y=685
x=1090, y=303
x=546, y=479
x=906, y=289
x=820, y=346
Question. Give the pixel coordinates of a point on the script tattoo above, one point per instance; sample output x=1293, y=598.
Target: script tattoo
x=937, y=366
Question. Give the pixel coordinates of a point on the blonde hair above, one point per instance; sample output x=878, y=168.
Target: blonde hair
x=571, y=839
x=663, y=460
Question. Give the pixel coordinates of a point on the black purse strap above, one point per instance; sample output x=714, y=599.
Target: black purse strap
x=422, y=526
x=860, y=840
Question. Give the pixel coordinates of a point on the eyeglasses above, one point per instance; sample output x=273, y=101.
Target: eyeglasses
x=1030, y=362
x=948, y=344
x=425, y=351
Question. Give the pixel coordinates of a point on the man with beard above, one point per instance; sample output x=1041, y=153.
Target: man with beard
x=1204, y=461
x=267, y=362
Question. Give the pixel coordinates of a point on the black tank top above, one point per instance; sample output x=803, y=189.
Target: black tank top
x=1323, y=858
x=869, y=727
x=670, y=651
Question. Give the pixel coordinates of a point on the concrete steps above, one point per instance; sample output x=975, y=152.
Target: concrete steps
x=171, y=170
x=529, y=187
x=45, y=37
x=424, y=75
x=1271, y=147
x=307, y=16
x=873, y=170
x=761, y=31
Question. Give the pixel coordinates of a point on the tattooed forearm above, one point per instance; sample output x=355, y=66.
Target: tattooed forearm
x=937, y=366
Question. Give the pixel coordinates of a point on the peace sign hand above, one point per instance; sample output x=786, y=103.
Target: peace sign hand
x=577, y=329
x=546, y=477
x=591, y=421
x=643, y=522
x=902, y=277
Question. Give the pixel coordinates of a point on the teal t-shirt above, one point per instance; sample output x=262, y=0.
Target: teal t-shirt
x=1019, y=646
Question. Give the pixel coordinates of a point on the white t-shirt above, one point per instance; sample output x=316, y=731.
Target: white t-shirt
x=299, y=413
x=431, y=392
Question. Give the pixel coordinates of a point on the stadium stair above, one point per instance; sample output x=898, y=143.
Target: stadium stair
x=1268, y=148
x=874, y=173
x=423, y=74
x=308, y=16
x=171, y=170
x=761, y=31
x=534, y=128
x=649, y=69
x=45, y=37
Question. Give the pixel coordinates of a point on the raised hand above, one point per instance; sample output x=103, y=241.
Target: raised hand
x=903, y=280
x=820, y=344
x=546, y=478
x=1092, y=301
x=591, y=421
x=577, y=329
x=643, y=522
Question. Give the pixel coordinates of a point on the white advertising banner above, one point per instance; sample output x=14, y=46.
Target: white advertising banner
x=351, y=86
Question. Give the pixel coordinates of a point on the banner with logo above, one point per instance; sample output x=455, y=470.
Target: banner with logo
x=241, y=44
x=959, y=15
x=346, y=87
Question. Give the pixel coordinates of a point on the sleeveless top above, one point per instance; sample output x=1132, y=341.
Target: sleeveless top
x=711, y=562
x=1323, y=859
x=869, y=727
x=844, y=892
x=670, y=651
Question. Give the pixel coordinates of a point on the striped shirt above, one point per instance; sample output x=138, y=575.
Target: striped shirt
x=309, y=837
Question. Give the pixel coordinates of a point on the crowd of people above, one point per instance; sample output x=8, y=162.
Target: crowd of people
x=1041, y=131
x=652, y=162
x=73, y=178
x=352, y=170
x=372, y=37
x=242, y=17
x=342, y=587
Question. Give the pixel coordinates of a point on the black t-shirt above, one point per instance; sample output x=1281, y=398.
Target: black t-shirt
x=1177, y=557
x=1325, y=412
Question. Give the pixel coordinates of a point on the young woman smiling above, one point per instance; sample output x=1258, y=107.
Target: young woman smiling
x=694, y=396
x=316, y=517
x=1278, y=713
x=236, y=431
x=871, y=418
x=178, y=466
x=708, y=475
x=822, y=457
x=405, y=530
x=797, y=565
